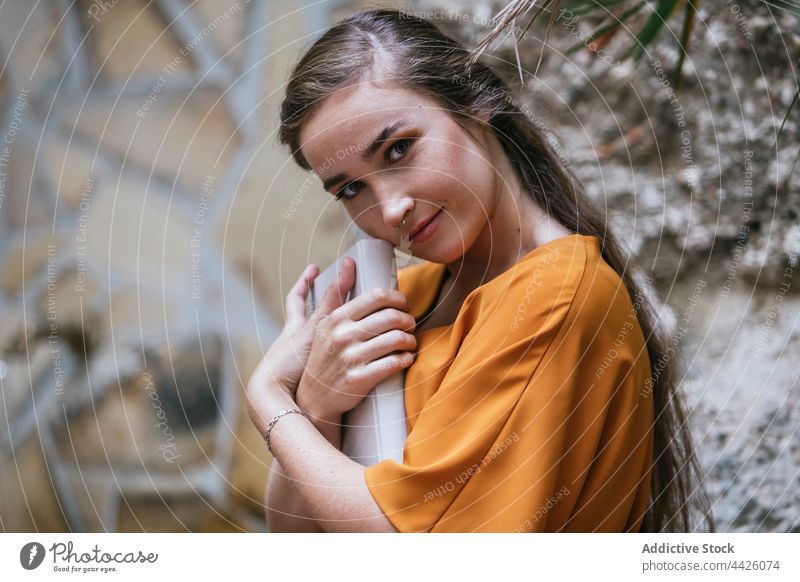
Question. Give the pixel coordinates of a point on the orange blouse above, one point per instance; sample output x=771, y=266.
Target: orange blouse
x=530, y=412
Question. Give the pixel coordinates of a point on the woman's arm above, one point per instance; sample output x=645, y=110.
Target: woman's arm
x=331, y=485
x=325, y=365
x=286, y=510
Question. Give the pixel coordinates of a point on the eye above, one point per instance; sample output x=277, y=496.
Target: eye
x=345, y=192
x=401, y=147
x=395, y=152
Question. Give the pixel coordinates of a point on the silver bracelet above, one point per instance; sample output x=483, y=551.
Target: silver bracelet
x=275, y=419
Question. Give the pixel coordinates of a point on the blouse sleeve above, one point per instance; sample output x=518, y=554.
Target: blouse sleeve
x=509, y=439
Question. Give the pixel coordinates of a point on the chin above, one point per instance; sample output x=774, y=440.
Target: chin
x=443, y=255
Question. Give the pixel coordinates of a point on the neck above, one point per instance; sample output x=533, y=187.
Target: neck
x=514, y=227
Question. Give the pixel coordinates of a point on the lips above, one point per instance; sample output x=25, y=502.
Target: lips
x=422, y=225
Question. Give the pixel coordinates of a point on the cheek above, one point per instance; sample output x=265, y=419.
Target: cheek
x=479, y=176
x=368, y=219
x=453, y=174
x=363, y=219
x=463, y=164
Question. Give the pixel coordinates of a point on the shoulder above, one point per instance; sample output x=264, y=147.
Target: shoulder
x=578, y=291
x=563, y=279
x=542, y=287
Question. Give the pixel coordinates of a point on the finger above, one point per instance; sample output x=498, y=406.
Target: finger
x=296, y=298
x=381, y=346
x=336, y=293
x=380, y=322
x=378, y=370
x=374, y=300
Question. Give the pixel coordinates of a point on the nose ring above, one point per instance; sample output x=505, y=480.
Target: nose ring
x=402, y=223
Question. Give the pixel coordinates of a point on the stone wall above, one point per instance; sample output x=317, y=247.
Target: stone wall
x=698, y=191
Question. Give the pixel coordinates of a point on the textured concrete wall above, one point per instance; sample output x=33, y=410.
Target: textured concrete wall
x=697, y=189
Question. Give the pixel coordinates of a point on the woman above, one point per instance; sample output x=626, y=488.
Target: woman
x=538, y=394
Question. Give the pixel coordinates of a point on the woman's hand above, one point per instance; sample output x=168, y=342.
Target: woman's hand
x=353, y=344
x=286, y=358
x=274, y=382
x=330, y=361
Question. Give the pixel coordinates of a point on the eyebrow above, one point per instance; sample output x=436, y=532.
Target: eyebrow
x=384, y=135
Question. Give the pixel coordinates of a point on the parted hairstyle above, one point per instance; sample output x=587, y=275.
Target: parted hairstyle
x=416, y=55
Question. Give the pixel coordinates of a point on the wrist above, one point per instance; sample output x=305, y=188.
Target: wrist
x=267, y=404
x=319, y=417
x=328, y=425
x=331, y=429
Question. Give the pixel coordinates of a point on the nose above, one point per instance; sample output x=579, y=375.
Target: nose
x=394, y=207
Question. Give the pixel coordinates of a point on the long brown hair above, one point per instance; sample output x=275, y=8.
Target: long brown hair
x=421, y=57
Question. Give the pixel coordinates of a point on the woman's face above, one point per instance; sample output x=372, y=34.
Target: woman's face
x=391, y=154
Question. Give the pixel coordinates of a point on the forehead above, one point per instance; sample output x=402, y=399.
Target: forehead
x=352, y=117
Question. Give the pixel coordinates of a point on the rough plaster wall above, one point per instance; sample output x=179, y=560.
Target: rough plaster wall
x=697, y=190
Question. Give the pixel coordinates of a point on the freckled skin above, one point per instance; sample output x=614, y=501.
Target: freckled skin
x=488, y=221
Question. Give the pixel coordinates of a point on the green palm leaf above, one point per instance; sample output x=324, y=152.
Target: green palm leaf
x=653, y=26
x=610, y=27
